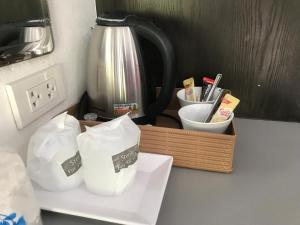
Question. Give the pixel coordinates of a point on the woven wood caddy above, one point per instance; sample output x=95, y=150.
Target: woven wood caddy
x=190, y=149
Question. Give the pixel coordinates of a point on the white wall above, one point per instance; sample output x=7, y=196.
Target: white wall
x=71, y=22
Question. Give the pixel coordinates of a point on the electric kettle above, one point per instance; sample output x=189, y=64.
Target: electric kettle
x=116, y=79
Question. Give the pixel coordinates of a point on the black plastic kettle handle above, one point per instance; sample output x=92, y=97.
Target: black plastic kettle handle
x=152, y=33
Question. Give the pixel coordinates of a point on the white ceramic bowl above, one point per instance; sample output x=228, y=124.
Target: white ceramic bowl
x=190, y=116
x=183, y=102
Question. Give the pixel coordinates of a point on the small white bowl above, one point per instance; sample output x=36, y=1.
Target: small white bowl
x=184, y=102
x=190, y=116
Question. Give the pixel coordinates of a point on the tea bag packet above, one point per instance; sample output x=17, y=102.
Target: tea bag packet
x=189, y=86
x=227, y=106
x=17, y=201
x=109, y=154
x=53, y=159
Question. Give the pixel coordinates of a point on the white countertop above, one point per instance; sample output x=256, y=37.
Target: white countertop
x=264, y=188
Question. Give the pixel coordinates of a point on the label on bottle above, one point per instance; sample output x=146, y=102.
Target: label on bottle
x=72, y=165
x=121, y=109
x=125, y=158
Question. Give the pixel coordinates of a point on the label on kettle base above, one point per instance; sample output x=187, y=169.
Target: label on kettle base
x=123, y=108
x=72, y=165
x=125, y=158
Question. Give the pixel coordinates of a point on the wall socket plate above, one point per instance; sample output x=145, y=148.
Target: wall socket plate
x=33, y=96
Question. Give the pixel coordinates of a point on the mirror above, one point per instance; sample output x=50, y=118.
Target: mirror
x=25, y=30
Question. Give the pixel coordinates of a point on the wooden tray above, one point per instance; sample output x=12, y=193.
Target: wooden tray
x=190, y=149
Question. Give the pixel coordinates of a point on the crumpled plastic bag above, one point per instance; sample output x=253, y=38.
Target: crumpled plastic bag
x=109, y=154
x=18, y=204
x=53, y=159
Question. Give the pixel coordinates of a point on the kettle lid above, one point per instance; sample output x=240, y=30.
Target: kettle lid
x=115, y=19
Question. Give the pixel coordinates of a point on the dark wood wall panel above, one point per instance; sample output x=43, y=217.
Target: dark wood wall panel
x=254, y=43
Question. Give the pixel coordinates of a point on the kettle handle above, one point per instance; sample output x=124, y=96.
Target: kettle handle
x=152, y=33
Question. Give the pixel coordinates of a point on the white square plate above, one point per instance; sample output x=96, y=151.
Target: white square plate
x=139, y=205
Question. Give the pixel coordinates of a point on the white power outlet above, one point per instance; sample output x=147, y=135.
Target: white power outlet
x=33, y=96
x=42, y=94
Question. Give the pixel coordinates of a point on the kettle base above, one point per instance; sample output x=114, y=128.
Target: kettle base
x=144, y=120
x=84, y=108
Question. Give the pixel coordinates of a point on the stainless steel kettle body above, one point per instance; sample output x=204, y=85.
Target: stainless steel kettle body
x=116, y=82
x=114, y=77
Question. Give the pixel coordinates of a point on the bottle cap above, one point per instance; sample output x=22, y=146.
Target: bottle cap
x=90, y=116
